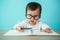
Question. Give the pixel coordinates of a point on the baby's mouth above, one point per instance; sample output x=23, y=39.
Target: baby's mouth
x=32, y=21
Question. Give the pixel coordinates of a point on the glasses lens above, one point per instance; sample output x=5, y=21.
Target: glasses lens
x=28, y=16
x=35, y=17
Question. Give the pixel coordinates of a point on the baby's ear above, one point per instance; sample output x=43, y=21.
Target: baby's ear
x=26, y=15
x=40, y=16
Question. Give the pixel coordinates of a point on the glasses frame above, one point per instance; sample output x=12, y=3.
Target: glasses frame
x=32, y=16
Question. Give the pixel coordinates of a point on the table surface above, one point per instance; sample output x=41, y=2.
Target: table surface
x=31, y=37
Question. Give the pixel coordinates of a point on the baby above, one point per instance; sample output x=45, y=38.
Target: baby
x=33, y=13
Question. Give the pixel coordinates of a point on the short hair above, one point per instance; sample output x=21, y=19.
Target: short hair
x=33, y=6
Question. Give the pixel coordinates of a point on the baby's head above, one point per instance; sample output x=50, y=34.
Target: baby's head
x=33, y=12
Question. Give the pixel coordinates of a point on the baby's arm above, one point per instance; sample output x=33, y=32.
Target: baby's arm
x=18, y=27
x=47, y=30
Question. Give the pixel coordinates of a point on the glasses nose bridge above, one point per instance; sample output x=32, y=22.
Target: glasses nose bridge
x=32, y=17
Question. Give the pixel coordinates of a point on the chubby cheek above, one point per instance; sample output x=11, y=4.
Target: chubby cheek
x=28, y=19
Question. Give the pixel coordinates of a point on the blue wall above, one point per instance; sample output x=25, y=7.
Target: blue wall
x=12, y=11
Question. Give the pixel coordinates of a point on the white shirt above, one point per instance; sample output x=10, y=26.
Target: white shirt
x=39, y=25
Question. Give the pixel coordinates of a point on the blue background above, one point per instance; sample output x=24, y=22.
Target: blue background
x=12, y=11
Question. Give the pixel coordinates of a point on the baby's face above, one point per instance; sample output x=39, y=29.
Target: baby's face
x=33, y=16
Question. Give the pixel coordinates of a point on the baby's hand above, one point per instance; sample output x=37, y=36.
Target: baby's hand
x=46, y=30
x=19, y=29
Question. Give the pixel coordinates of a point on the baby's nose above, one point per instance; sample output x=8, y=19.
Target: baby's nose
x=32, y=18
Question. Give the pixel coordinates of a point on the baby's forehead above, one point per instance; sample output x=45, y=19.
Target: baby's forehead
x=33, y=13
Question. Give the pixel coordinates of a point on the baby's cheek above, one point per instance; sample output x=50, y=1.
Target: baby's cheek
x=28, y=19
x=35, y=20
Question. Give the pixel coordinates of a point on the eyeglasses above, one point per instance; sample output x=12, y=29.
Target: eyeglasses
x=29, y=16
